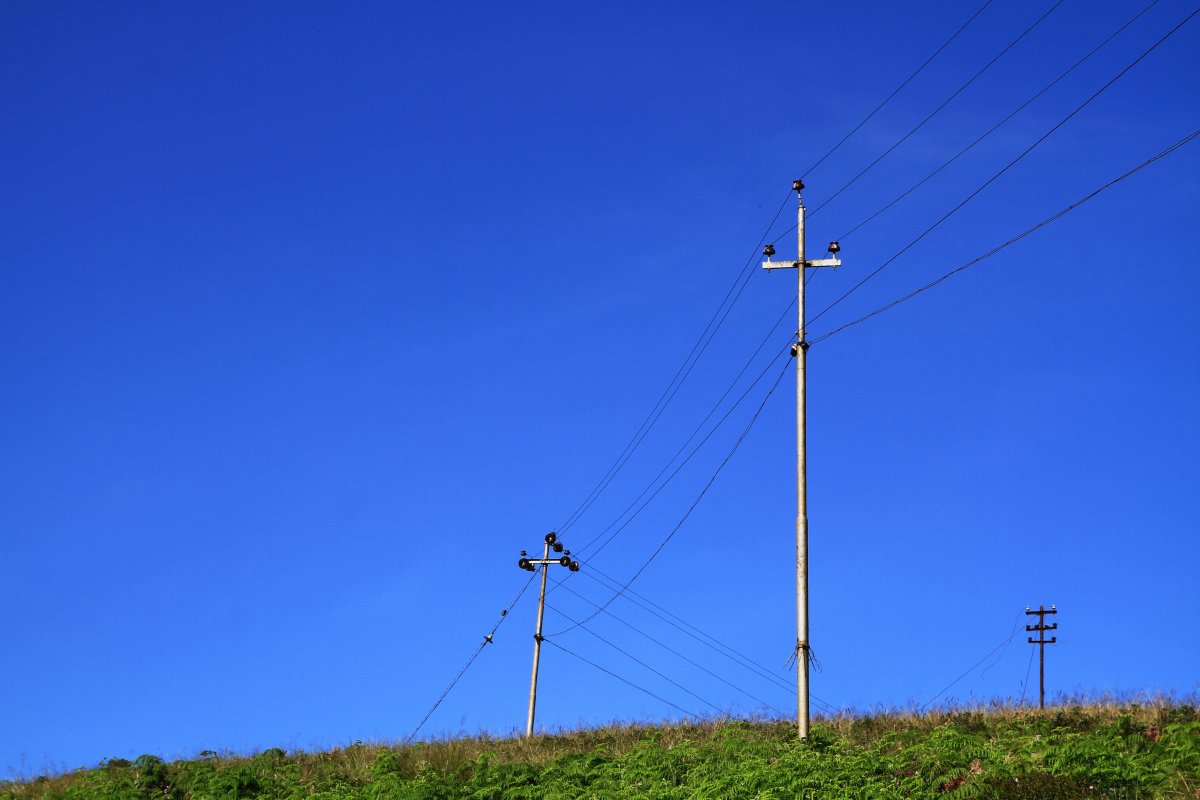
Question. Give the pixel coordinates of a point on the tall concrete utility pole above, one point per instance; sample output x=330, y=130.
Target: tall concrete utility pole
x=1041, y=642
x=528, y=564
x=800, y=350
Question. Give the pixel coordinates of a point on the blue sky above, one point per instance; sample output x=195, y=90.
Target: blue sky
x=314, y=316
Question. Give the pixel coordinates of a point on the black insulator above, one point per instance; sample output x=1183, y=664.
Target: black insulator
x=558, y=547
x=551, y=537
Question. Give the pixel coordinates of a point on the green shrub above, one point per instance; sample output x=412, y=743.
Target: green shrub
x=999, y=754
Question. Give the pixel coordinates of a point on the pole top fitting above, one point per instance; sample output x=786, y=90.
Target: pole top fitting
x=797, y=186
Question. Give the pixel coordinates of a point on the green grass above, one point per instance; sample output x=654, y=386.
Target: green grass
x=1073, y=751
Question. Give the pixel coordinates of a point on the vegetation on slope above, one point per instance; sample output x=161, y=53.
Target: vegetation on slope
x=1067, y=752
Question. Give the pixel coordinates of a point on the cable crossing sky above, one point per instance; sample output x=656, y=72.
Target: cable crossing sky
x=652, y=489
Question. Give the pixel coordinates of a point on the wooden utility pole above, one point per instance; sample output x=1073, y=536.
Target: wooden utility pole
x=528, y=564
x=800, y=351
x=1041, y=642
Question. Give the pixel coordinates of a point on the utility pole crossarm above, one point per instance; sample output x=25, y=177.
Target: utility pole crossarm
x=822, y=262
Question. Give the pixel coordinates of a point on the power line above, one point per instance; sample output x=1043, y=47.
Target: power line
x=999, y=124
x=896, y=91
x=623, y=680
x=634, y=658
x=970, y=670
x=681, y=375
x=667, y=395
x=935, y=112
x=695, y=503
x=682, y=625
x=668, y=648
x=1007, y=167
x=682, y=464
x=697, y=430
x=1025, y=683
x=1052, y=218
x=487, y=639
x=713, y=643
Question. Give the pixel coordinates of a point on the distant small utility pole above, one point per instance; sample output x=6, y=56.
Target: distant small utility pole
x=800, y=351
x=528, y=564
x=1041, y=642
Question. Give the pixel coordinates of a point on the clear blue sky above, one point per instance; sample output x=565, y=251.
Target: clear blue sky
x=314, y=315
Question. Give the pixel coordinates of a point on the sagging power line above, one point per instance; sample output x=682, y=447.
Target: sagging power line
x=1007, y=166
x=937, y=110
x=639, y=661
x=1013, y=240
x=609, y=613
x=999, y=124
x=670, y=535
x=737, y=287
x=487, y=639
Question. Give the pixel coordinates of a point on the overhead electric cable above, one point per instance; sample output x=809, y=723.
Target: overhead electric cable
x=678, y=468
x=637, y=660
x=948, y=686
x=684, y=463
x=998, y=125
x=896, y=91
x=695, y=433
x=487, y=639
x=696, y=502
x=684, y=369
x=935, y=112
x=677, y=381
x=623, y=680
x=712, y=643
x=668, y=648
x=1008, y=166
x=1025, y=683
x=687, y=628
x=1053, y=217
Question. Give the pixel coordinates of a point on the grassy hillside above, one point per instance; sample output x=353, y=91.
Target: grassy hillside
x=1070, y=752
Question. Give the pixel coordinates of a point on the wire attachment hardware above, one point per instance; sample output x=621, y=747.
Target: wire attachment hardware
x=552, y=545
